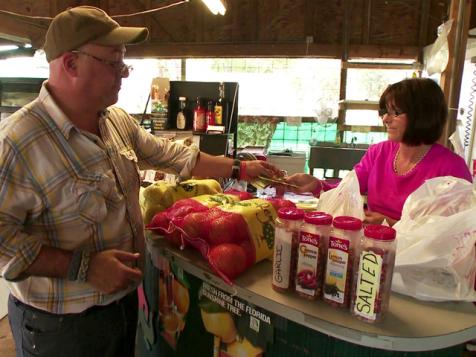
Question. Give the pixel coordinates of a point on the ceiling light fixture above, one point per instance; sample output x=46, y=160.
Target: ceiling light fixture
x=216, y=6
x=8, y=48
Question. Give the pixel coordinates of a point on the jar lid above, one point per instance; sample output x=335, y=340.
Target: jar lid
x=347, y=222
x=377, y=231
x=291, y=213
x=318, y=218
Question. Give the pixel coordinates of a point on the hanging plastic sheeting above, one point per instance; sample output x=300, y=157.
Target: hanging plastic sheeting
x=439, y=53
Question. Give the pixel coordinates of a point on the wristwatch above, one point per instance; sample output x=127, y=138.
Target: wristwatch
x=235, y=169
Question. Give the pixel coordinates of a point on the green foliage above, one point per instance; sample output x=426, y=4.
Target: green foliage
x=253, y=134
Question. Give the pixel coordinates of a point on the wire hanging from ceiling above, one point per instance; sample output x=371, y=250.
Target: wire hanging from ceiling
x=151, y=10
x=145, y=12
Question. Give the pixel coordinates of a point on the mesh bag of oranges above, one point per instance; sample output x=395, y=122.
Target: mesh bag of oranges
x=161, y=194
x=231, y=234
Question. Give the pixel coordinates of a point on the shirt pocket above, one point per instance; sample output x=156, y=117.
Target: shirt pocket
x=130, y=169
x=91, y=203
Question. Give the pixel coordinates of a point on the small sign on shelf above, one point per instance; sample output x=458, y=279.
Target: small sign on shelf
x=215, y=129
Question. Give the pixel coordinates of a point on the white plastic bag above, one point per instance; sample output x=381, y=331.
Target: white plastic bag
x=344, y=200
x=436, y=238
x=439, y=52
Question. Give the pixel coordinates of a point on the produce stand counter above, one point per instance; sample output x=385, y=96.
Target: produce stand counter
x=410, y=325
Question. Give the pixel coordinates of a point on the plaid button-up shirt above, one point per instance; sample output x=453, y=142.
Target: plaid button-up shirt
x=70, y=189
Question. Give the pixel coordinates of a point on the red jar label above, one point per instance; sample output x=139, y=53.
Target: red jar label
x=307, y=264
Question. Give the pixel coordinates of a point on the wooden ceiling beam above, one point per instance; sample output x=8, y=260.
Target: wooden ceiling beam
x=310, y=9
x=141, y=7
x=424, y=18
x=366, y=23
x=148, y=20
x=104, y=4
x=372, y=65
x=293, y=50
x=380, y=51
x=198, y=20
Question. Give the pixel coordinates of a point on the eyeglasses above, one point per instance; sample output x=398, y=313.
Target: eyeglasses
x=393, y=114
x=118, y=66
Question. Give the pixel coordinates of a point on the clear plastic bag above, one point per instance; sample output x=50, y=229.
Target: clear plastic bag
x=436, y=238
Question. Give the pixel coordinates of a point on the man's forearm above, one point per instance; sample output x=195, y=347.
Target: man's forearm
x=212, y=166
x=50, y=262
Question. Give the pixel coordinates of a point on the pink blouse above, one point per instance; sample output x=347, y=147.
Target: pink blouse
x=387, y=191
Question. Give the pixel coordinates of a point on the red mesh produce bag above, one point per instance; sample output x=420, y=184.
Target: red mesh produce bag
x=234, y=236
x=161, y=222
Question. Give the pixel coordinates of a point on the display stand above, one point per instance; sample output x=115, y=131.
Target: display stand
x=300, y=327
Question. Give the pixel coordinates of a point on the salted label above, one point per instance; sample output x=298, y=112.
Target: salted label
x=368, y=284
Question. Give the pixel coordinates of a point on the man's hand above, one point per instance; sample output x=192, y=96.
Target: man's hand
x=110, y=270
x=255, y=168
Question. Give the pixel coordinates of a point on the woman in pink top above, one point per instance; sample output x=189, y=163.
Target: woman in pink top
x=414, y=112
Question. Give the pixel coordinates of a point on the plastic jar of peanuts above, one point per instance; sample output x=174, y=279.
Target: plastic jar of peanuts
x=345, y=235
x=311, y=254
x=286, y=238
x=373, y=271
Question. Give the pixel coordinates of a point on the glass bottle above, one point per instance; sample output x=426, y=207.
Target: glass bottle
x=210, y=114
x=181, y=121
x=286, y=238
x=345, y=235
x=219, y=104
x=199, y=122
x=373, y=272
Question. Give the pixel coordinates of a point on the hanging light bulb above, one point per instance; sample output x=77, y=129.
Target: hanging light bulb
x=216, y=6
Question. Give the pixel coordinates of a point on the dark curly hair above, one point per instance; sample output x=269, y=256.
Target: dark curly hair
x=423, y=101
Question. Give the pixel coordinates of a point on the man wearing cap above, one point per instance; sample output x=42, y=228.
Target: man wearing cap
x=71, y=231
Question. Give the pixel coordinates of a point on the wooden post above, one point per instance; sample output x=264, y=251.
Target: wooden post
x=451, y=77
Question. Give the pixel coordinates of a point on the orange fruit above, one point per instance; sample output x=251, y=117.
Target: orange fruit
x=243, y=347
x=181, y=297
x=170, y=322
x=229, y=258
x=162, y=296
x=220, y=324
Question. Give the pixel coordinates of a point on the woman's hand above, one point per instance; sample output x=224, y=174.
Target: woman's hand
x=304, y=183
x=377, y=218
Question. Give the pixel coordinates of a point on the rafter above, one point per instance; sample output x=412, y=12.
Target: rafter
x=141, y=6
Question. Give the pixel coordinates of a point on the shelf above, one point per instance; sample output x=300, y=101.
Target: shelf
x=362, y=128
x=358, y=105
x=382, y=65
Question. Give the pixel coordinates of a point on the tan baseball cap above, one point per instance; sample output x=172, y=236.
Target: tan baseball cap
x=77, y=26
